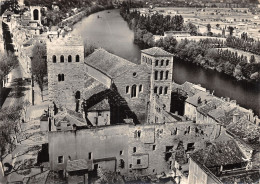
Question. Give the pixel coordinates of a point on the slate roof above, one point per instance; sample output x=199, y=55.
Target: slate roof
x=219, y=153
x=78, y=165
x=109, y=64
x=156, y=51
x=193, y=100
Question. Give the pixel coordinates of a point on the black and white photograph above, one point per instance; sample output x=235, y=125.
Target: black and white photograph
x=129, y=91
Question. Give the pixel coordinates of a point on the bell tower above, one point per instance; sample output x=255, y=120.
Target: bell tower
x=161, y=64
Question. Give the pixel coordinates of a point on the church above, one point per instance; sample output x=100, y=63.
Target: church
x=106, y=88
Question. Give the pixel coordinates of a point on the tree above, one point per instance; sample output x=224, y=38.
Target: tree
x=7, y=62
x=192, y=29
x=39, y=65
x=231, y=30
x=217, y=26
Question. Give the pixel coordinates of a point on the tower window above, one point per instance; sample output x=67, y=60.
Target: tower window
x=167, y=62
x=156, y=62
x=69, y=58
x=166, y=75
x=162, y=62
x=160, y=90
x=54, y=59
x=62, y=59
x=140, y=88
x=165, y=90
x=134, y=149
x=77, y=95
x=62, y=77
x=133, y=91
x=89, y=155
x=161, y=75
x=77, y=58
x=156, y=75
x=155, y=89
x=139, y=133
x=127, y=89
x=59, y=77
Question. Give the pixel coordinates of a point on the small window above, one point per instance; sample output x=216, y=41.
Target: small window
x=127, y=89
x=154, y=146
x=62, y=59
x=138, y=161
x=133, y=91
x=60, y=159
x=134, y=149
x=77, y=58
x=99, y=113
x=166, y=75
x=165, y=90
x=161, y=75
x=167, y=62
x=139, y=133
x=162, y=62
x=156, y=75
x=121, y=152
x=134, y=74
x=89, y=155
x=140, y=88
x=69, y=58
x=156, y=90
x=54, y=59
x=156, y=62
x=62, y=77
x=130, y=166
x=160, y=90
x=59, y=77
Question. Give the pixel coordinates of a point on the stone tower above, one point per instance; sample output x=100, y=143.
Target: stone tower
x=66, y=72
x=161, y=64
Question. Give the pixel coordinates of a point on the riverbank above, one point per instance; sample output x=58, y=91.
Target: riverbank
x=202, y=53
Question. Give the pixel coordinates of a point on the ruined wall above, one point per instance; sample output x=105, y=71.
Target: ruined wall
x=138, y=76
x=63, y=92
x=101, y=143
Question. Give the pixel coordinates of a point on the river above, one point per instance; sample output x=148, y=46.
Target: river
x=111, y=32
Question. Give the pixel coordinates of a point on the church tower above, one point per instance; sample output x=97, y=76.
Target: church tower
x=161, y=64
x=66, y=72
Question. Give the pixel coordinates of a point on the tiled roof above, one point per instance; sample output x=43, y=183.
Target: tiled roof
x=156, y=51
x=70, y=117
x=92, y=87
x=211, y=105
x=193, y=100
x=108, y=63
x=219, y=153
x=101, y=106
x=78, y=165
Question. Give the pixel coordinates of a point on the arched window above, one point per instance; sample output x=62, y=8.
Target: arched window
x=35, y=14
x=162, y=62
x=165, y=90
x=127, y=89
x=54, y=59
x=166, y=75
x=77, y=58
x=133, y=91
x=59, y=77
x=62, y=77
x=77, y=95
x=156, y=75
x=155, y=89
x=156, y=62
x=167, y=62
x=139, y=133
x=161, y=75
x=62, y=59
x=140, y=88
x=160, y=90
x=69, y=58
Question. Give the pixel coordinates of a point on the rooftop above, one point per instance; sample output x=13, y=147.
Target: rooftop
x=199, y=99
x=156, y=51
x=108, y=63
x=219, y=154
x=210, y=106
x=66, y=41
x=100, y=106
x=78, y=165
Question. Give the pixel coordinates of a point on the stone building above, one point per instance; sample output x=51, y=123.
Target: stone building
x=129, y=88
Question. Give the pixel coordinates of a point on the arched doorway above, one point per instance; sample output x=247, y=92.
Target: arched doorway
x=35, y=14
